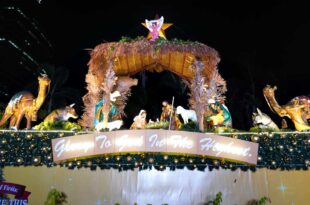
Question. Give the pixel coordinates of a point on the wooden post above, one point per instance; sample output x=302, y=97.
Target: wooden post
x=171, y=112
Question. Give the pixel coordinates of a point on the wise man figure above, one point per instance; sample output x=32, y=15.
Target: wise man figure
x=166, y=113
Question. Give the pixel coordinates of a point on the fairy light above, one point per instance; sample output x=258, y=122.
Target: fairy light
x=19, y=148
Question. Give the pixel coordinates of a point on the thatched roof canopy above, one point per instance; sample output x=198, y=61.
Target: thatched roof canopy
x=133, y=56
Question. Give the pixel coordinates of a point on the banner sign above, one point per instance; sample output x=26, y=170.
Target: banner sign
x=127, y=141
x=21, y=196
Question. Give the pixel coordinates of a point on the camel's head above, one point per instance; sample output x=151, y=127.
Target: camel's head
x=269, y=91
x=44, y=80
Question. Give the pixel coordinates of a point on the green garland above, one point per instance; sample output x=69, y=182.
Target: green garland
x=283, y=151
x=58, y=125
x=159, y=41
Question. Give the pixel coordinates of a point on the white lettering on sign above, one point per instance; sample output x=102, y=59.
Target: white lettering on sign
x=105, y=142
x=62, y=146
x=229, y=148
x=124, y=141
x=178, y=141
x=155, y=142
x=13, y=201
x=8, y=188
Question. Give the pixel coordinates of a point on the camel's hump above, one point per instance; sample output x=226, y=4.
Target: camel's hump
x=19, y=96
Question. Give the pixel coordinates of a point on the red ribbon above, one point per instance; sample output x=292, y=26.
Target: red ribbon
x=15, y=189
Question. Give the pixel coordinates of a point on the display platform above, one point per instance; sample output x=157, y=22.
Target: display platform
x=146, y=177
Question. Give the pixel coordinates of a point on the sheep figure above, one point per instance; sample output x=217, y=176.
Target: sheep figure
x=186, y=114
x=263, y=120
x=111, y=125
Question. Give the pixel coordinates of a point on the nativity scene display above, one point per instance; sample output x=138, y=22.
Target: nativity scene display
x=109, y=82
x=110, y=78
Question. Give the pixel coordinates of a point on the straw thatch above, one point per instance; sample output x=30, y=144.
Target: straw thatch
x=133, y=56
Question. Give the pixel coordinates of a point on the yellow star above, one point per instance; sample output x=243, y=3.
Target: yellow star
x=161, y=31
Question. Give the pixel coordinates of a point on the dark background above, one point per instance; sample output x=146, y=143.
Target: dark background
x=259, y=43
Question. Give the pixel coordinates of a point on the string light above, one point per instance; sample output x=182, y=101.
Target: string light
x=89, y=163
x=29, y=148
x=19, y=160
x=151, y=160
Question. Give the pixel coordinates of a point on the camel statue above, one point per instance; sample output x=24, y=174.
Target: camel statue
x=24, y=104
x=298, y=109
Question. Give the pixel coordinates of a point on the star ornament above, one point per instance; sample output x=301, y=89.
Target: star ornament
x=157, y=28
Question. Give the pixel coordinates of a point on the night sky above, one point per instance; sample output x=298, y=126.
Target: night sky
x=259, y=44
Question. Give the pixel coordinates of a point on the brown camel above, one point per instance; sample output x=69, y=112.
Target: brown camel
x=298, y=109
x=24, y=104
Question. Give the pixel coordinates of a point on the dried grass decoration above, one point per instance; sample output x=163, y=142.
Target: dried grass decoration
x=111, y=62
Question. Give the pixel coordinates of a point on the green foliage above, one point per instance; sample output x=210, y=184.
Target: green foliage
x=159, y=41
x=58, y=125
x=262, y=201
x=223, y=129
x=258, y=129
x=158, y=125
x=126, y=39
x=217, y=200
x=184, y=42
x=56, y=197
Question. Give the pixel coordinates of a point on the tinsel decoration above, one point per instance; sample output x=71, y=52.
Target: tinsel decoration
x=198, y=100
x=107, y=88
x=202, y=88
x=125, y=91
x=285, y=151
x=216, y=87
x=90, y=100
